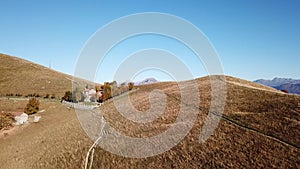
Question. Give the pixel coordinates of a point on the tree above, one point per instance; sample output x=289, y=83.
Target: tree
x=68, y=96
x=130, y=85
x=32, y=107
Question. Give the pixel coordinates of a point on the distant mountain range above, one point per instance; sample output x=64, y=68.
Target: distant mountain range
x=146, y=81
x=291, y=85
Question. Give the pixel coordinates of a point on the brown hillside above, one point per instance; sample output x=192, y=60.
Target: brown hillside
x=259, y=128
x=18, y=76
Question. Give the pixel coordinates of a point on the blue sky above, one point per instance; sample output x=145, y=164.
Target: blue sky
x=254, y=39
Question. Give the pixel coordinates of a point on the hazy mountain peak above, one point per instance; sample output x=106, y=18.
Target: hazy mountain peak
x=146, y=81
x=289, y=84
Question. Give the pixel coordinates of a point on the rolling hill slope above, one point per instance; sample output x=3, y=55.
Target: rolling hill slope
x=259, y=128
x=18, y=76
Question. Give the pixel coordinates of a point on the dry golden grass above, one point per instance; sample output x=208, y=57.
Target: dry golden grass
x=19, y=76
x=259, y=127
x=56, y=141
x=268, y=111
x=6, y=120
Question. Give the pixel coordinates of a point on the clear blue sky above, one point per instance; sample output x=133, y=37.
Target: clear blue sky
x=254, y=38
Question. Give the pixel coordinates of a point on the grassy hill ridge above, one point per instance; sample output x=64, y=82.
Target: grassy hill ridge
x=19, y=76
x=259, y=127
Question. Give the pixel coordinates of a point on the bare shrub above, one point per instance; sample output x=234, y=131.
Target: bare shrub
x=6, y=120
x=32, y=107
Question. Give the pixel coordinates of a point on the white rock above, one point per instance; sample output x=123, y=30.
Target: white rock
x=36, y=119
x=22, y=119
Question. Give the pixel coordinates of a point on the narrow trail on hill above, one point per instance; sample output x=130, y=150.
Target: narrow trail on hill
x=237, y=123
x=244, y=126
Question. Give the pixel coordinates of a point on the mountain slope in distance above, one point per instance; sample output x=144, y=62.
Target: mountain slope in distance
x=288, y=84
x=146, y=81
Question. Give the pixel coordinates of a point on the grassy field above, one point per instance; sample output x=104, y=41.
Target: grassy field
x=56, y=141
x=259, y=127
x=22, y=77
